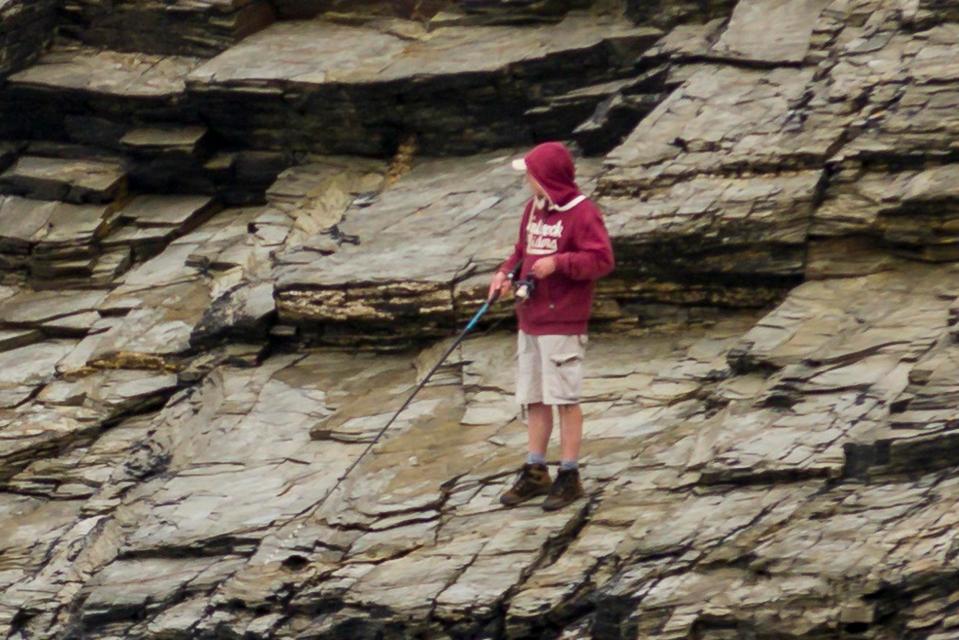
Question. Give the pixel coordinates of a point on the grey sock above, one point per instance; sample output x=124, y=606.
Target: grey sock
x=568, y=465
x=535, y=458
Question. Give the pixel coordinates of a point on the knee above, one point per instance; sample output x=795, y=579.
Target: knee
x=570, y=416
x=539, y=412
x=538, y=407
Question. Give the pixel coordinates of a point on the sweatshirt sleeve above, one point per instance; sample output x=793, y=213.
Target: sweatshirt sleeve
x=592, y=257
x=519, y=249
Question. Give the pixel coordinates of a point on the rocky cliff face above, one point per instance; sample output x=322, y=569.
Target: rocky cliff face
x=28, y=27
x=232, y=242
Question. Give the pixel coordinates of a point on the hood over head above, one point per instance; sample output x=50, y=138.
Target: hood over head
x=551, y=165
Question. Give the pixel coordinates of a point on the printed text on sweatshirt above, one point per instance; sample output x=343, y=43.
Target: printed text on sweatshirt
x=578, y=240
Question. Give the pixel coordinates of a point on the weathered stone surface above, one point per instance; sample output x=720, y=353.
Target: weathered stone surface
x=26, y=27
x=440, y=12
x=733, y=242
x=34, y=310
x=112, y=86
x=145, y=76
x=360, y=9
x=747, y=36
x=513, y=82
x=42, y=238
x=493, y=78
x=66, y=180
x=201, y=28
x=13, y=338
x=171, y=458
x=711, y=231
x=378, y=274
x=240, y=313
x=518, y=10
x=617, y=114
x=167, y=140
x=668, y=13
x=893, y=178
x=179, y=213
x=744, y=126
x=651, y=404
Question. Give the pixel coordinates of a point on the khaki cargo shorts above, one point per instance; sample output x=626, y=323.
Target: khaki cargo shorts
x=549, y=369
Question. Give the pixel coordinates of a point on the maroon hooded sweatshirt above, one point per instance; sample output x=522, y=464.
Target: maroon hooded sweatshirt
x=569, y=227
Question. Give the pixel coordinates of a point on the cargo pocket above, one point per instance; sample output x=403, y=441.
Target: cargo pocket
x=564, y=359
x=567, y=377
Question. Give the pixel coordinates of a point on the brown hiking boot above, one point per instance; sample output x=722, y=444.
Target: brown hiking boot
x=566, y=488
x=533, y=481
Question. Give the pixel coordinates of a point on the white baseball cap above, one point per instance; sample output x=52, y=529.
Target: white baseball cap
x=519, y=164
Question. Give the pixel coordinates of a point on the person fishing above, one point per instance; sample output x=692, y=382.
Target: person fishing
x=562, y=250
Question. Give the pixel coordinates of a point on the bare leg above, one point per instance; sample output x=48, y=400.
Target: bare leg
x=539, y=427
x=570, y=430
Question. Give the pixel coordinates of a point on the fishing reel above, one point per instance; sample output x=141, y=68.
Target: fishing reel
x=523, y=289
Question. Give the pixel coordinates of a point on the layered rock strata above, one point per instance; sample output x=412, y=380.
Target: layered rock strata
x=770, y=395
x=201, y=28
x=457, y=89
x=26, y=28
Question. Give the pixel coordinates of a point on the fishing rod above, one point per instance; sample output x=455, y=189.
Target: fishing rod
x=524, y=286
x=459, y=339
x=469, y=327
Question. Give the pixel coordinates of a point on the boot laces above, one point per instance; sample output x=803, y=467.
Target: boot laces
x=563, y=480
x=525, y=480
